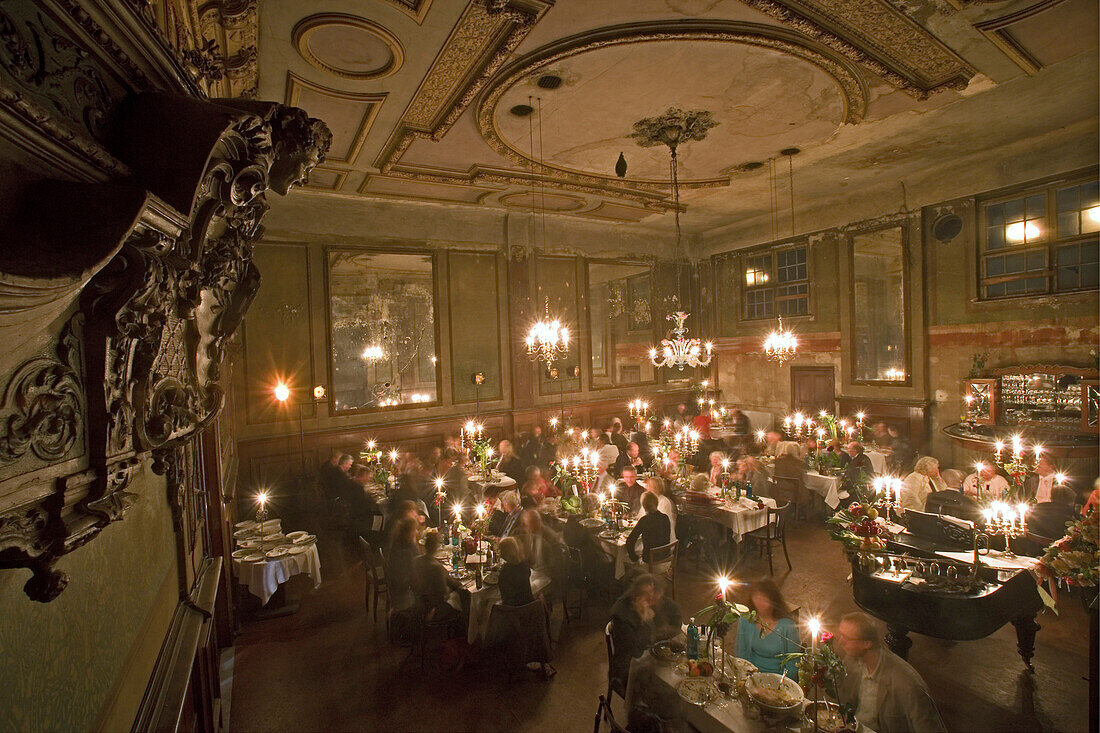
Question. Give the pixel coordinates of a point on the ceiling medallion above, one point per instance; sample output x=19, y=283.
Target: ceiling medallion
x=351, y=36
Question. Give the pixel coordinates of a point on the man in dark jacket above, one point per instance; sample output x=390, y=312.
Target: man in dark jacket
x=631, y=629
x=654, y=529
x=858, y=465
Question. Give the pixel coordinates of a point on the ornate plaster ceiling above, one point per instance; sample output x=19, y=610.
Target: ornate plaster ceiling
x=419, y=95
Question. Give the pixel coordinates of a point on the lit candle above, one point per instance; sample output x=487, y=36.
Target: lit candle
x=262, y=499
x=760, y=436
x=457, y=509
x=724, y=584
x=814, y=625
x=1022, y=509
x=1059, y=478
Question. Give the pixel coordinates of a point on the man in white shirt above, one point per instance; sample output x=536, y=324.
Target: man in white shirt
x=922, y=481
x=985, y=484
x=1040, y=485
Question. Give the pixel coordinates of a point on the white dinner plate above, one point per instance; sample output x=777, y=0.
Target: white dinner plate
x=295, y=535
x=277, y=552
x=304, y=539
x=241, y=533
x=246, y=524
x=240, y=554
x=254, y=557
x=298, y=549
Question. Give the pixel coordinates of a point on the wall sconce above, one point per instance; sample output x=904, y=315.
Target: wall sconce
x=478, y=378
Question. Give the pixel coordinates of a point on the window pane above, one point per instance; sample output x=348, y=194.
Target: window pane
x=995, y=237
x=994, y=215
x=1015, y=263
x=1090, y=194
x=1089, y=251
x=993, y=291
x=1035, y=230
x=1014, y=287
x=1014, y=210
x=1067, y=223
x=994, y=266
x=1069, y=199
x=1036, y=206
x=1036, y=260
x=1069, y=278
x=1036, y=284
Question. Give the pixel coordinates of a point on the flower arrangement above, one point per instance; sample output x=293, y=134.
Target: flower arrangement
x=371, y=456
x=564, y=481
x=858, y=527
x=1074, y=557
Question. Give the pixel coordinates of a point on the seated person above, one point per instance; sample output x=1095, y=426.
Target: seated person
x=742, y=427
x=510, y=464
x=924, y=480
x=750, y=470
x=615, y=432
x=404, y=510
x=598, y=567
x=433, y=583
x=332, y=470
x=667, y=617
x=788, y=461
x=632, y=458
x=716, y=471
x=772, y=438
x=608, y=452
x=773, y=634
x=629, y=490
x=631, y=629
x=455, y=478
x=503, y=521
x=657, y=486
x=654, y=529
x=515, y=575
x=399, y=565
x=886, y=692
x=537, y=487
x=808, y=448
x=1039, y=486
x=953, y=479
x=859, y=466
x=1049, y=518
x=902, y=452
x=985, y=483
x=833, y=448
x=540, y=545
x=880, y=435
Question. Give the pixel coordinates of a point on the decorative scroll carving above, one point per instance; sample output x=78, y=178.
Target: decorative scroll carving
x=158, y=317
x=46, y=402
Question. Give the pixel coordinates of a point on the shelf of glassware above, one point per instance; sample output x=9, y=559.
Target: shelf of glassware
x=1055, y=398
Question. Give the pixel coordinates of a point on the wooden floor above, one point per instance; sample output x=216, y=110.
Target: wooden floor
x=328, y=666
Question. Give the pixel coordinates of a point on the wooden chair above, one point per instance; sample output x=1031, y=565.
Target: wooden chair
x=662, y=564
x=772, y=533
x=793, y=491
x=615, y=686
x=519, y=634
x=576, y=580
x=375, y=573
x=604, y=714
x=427, y=629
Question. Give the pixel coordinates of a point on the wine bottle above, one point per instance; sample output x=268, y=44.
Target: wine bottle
x=692, y=640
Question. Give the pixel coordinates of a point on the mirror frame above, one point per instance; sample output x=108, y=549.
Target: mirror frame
x=588, y=322
x=903, y=228
x=420, y=252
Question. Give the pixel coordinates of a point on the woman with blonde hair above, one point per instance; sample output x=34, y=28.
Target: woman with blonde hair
x=656, y=485
x=924, y=479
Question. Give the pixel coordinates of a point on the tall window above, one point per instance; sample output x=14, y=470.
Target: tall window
x=1044, y=241
x=776, y=282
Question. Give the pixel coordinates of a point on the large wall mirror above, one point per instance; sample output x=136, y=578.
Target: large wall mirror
x=556, y=279
x=382, y=320
x=620, y=323
x=880, y=335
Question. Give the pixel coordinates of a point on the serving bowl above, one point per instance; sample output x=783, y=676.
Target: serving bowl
x=775, y=694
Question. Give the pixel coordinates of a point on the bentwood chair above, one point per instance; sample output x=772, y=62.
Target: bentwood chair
x=792, y=490
x=375, y=574
x=576, y=581
x=774, y=532
x=604, y=714
x=519, y=635
x=615, y=685
x=662, y=564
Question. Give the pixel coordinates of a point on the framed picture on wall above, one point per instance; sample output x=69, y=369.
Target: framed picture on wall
x=639, y=296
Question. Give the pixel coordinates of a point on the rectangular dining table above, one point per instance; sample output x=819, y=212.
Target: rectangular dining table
x=484, y=598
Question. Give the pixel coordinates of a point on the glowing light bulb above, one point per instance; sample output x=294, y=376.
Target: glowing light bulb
x=282, y=392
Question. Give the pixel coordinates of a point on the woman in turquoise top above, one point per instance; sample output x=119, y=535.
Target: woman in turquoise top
x=774, y=634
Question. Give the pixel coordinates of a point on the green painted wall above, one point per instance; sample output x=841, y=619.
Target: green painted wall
x=475, y=326
x=59, y=661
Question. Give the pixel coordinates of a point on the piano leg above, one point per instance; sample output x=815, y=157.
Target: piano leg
x=898, y=641
x=1025, y=638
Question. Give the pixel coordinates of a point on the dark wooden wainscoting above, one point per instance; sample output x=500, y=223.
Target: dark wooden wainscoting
x=910, y=417
x=275, y=461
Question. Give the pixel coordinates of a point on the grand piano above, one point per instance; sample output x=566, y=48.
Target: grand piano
x=917, y=588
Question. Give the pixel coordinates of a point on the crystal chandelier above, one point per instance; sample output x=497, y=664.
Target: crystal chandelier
x=780, y=345
x=547, y=340
x=680, y=352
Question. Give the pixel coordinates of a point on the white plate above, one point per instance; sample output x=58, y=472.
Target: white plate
x=248, y=544
x=239, y=554
x=297, y=534
x=277, y=552
x=298, y=549
x=241, y=533
x=271, y=525
x=304, y=540
x=246, y=524
x=254, y=557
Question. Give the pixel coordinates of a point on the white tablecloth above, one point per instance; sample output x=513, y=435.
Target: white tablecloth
x=478, y=484
x=483, y=600
x=657, y=683
x=740, y=519
x=878, y=461
x=616, y=550
x=827, y=486
x=263, y=577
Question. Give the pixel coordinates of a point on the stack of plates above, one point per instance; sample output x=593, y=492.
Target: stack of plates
x=246, y=524
x=277, y=552
x=302, y=539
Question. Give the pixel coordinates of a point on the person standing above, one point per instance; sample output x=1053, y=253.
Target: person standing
x=888, y=695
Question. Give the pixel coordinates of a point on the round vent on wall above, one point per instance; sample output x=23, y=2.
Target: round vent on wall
x=522, y=110
x=549, y=81
x=947, y=227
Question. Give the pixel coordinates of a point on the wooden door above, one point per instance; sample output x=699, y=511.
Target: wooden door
x=812, y=390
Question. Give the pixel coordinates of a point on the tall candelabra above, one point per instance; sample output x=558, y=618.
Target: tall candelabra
x=639, y=411
x=1007, y=520
x=889, y=490
x=471, y=432
x=584, y=468
x=686, y=444
x=1018, y=463
x=797, y=425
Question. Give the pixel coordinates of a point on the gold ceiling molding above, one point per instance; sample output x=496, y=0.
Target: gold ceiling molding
x=306, y=27
x=525, y=200
x=484, y=36
x=323, y=172
x=852, y=89
x=878, y=36
x=371, y=104
x=415, y=9
x=475, y=195
x=996, y=30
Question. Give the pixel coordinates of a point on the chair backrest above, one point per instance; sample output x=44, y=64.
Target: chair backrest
x=377, y=522
x=777, y=520
x=609, y=641
x=608, y=716
x=664, y=553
